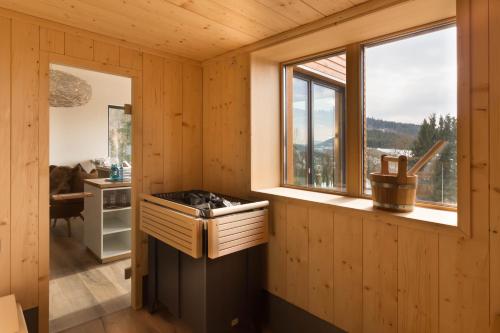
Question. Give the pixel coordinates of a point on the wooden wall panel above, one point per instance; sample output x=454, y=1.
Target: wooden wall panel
x=51, y=40
x=24, y=163
x=106, y=53
x=417, y=281
x=297, y=250
x=172, y=124
x=464, y=263
x=348, y=278
x=212, y=127
x=25, y=52
x=494, y=64
x=152, y=124
x=321, y=263
x=276, y=250
x=130, y=58
x=380, y=276
x=5, y=223
x=192, y=122
x=78, y=46
x=226, y=127
x=43, y=192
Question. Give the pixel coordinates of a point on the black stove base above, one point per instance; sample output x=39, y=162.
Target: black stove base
x=210, y=296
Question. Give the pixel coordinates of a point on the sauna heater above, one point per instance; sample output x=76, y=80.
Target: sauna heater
x=205, y=258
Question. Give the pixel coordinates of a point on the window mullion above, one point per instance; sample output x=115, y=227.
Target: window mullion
x=354, y=115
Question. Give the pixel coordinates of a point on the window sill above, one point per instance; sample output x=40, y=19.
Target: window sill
x=420, y=217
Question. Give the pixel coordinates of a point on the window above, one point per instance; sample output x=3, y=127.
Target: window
x=119, y=134
x=410, y=103
x=404, y=99
x=314, y=118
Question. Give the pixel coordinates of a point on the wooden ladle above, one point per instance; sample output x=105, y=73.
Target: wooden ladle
x=436, y=148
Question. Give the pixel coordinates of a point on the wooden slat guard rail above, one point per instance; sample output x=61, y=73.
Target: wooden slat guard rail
x=237, y=232
x=173, y=228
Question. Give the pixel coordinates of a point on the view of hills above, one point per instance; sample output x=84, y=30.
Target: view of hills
x=385, y=134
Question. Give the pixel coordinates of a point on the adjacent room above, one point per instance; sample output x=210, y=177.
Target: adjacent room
x=90, y=212
x=250, y=166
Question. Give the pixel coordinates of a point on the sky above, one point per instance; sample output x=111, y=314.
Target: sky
x=406, y=81
x=409, y=79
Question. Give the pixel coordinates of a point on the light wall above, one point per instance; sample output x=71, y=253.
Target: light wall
x=81, y=133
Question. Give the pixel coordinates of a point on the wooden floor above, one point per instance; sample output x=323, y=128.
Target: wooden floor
x=81, y=289
x=131, y=321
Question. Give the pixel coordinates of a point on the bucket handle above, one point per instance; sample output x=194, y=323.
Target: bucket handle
x=402, y=165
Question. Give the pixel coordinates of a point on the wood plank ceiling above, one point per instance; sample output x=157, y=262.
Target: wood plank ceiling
x=197, y=29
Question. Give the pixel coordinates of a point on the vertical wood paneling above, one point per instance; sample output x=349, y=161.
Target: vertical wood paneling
x=212, y=126
x=24, y=163
x=78, y=46
x=51, y=40
x=139, y=239
x=348, y=278
x=297, y=250
x=236, y=124
x=152, y=124
x=494, y=76
x=276, y=250
x=321, y=263
x=417, y=281
x=380, y=276
x=106, y=53
x=464, y=263
x=130, y=58
x=43, y=194
x=192, y=151
x=5, y=114
x=172, y=118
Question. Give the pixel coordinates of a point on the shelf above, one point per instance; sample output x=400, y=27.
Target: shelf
x=113, y=226
x=116, y=209
x=115, y=245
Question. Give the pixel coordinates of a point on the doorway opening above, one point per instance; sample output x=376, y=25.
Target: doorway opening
x=90, y=156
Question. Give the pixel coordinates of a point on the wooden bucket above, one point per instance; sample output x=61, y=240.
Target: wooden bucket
x=394, y=191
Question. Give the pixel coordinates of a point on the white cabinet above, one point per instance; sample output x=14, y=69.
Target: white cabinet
x=108, y=219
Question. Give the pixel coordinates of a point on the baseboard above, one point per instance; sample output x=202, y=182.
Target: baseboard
x=283, y=317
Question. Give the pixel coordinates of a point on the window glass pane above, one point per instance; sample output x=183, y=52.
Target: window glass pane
x=314, y=114
x=300, y=131
x=410, y=103
x=327, y=169
x=119, y=134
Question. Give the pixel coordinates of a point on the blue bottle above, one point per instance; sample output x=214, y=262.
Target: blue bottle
x=115, y=172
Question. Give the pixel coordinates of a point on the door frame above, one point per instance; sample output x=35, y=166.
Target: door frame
x=47, y=58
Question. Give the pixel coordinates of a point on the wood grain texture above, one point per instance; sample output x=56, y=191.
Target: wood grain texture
x=380, y=276
x=5, y=130
x=152, y=124
x=348, y=278
x=226, y=127
x=494, y=77
x=192, y=115
x=297, y=250
x=130, y=58
x=78, y=46
x=51, y=40
x=24, y=163
x=172, y=123
x=321, y=263
x=276, y=259
x=464, y=263
x=106, y=53
x=43, y=193
x=197, y=29
x=417, y=281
